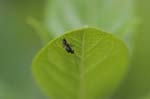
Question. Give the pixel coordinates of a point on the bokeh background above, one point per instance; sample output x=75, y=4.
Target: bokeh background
x=22, y=20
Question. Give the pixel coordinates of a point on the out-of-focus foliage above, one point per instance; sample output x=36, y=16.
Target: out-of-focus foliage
x=18, y=44
x=41, y=31
x=137, y=83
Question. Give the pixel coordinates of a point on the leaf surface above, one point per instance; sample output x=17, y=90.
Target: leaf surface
x=94, y=70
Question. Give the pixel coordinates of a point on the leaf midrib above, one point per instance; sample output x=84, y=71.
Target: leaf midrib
x=81, y=67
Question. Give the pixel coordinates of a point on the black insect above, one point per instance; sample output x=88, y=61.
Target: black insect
x=67, y=46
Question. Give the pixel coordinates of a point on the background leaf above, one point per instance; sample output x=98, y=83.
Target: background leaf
x=42, y=32
x=137, y=83
x=93, y=71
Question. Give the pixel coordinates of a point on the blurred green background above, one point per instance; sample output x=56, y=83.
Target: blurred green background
x=19, y=42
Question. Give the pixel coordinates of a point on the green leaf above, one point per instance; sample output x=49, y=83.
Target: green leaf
x=94, y=71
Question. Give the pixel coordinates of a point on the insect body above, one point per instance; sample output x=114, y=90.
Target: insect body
x=67, y=46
